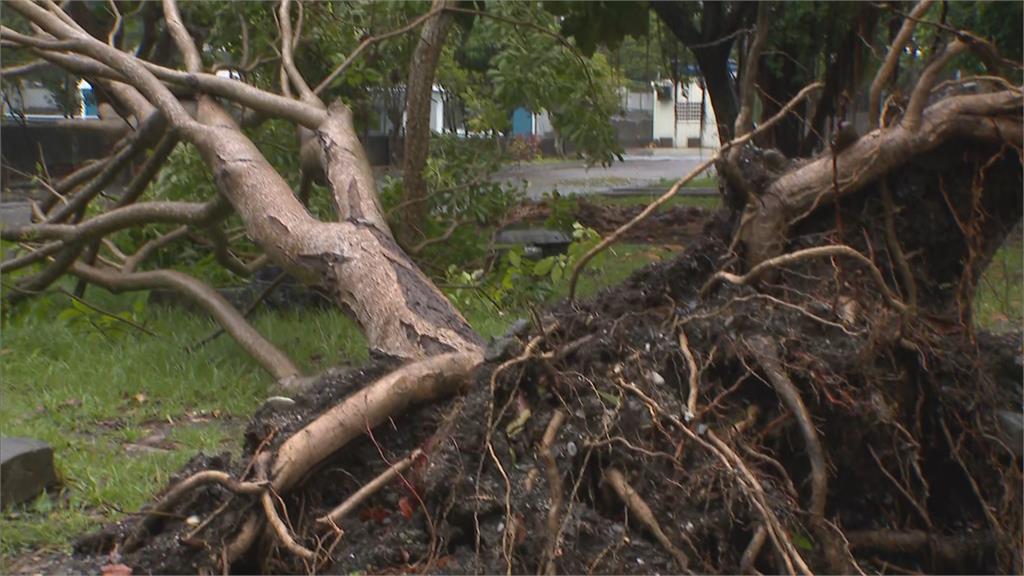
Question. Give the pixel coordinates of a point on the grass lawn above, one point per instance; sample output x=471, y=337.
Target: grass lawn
x=999, y=304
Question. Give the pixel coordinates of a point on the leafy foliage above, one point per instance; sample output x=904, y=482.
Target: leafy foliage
x=515, y=282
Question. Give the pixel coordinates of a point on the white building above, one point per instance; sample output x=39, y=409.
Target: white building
x=684, y=116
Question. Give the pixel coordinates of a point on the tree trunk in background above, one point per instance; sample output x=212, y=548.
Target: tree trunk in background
x=419, y=91
x=714, y=65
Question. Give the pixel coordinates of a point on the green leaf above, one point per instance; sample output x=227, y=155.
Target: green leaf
x=543, y=267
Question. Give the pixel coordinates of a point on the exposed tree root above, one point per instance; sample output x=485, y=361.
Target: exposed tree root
x=555, y=486
x=816, y=252
x=642, y=512
x=332, y=518
x=525, y=470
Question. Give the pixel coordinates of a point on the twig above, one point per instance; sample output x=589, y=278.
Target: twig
x=921, y=511
x=414, y=250
x=366, y=44
x=748, y=482
x=638, y=508
x=180, y=490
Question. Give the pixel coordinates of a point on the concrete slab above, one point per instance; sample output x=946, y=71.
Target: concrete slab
x=575, y=177
x=26, y=470
x=15, y=213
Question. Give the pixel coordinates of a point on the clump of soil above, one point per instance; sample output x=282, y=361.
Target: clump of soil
x=921, y=475
x=669, y=225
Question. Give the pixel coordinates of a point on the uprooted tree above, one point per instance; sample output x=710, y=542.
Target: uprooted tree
x=802, y=390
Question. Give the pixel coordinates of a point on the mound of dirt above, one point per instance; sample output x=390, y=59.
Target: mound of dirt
x=669, y=225
x=656, y=429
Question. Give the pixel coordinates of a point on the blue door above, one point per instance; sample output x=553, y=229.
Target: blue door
x=522, y=122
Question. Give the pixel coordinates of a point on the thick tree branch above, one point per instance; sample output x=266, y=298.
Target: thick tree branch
x=193, y=61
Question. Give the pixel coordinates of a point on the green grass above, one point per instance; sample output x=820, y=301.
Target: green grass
x=999, y=302
x=698, y=182
x=617, y=265
x=90, y=394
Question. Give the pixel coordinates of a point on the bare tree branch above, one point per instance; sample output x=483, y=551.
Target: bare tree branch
x=892, y=59
x=288, y=43
x=193, y=61
x=269, y=356
x=119, y=219
x=366, y=43
x=150, y=247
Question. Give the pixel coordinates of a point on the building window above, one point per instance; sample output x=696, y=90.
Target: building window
x=688, y=112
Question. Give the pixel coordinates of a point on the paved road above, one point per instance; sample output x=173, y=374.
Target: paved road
x=638, y=170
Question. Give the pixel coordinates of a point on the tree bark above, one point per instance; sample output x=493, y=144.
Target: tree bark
x=418, y=97
x=356, y=260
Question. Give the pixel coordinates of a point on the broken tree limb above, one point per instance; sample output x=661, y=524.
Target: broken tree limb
x=272, y=359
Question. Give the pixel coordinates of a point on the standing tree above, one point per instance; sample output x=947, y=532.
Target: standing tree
x=821, y=331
